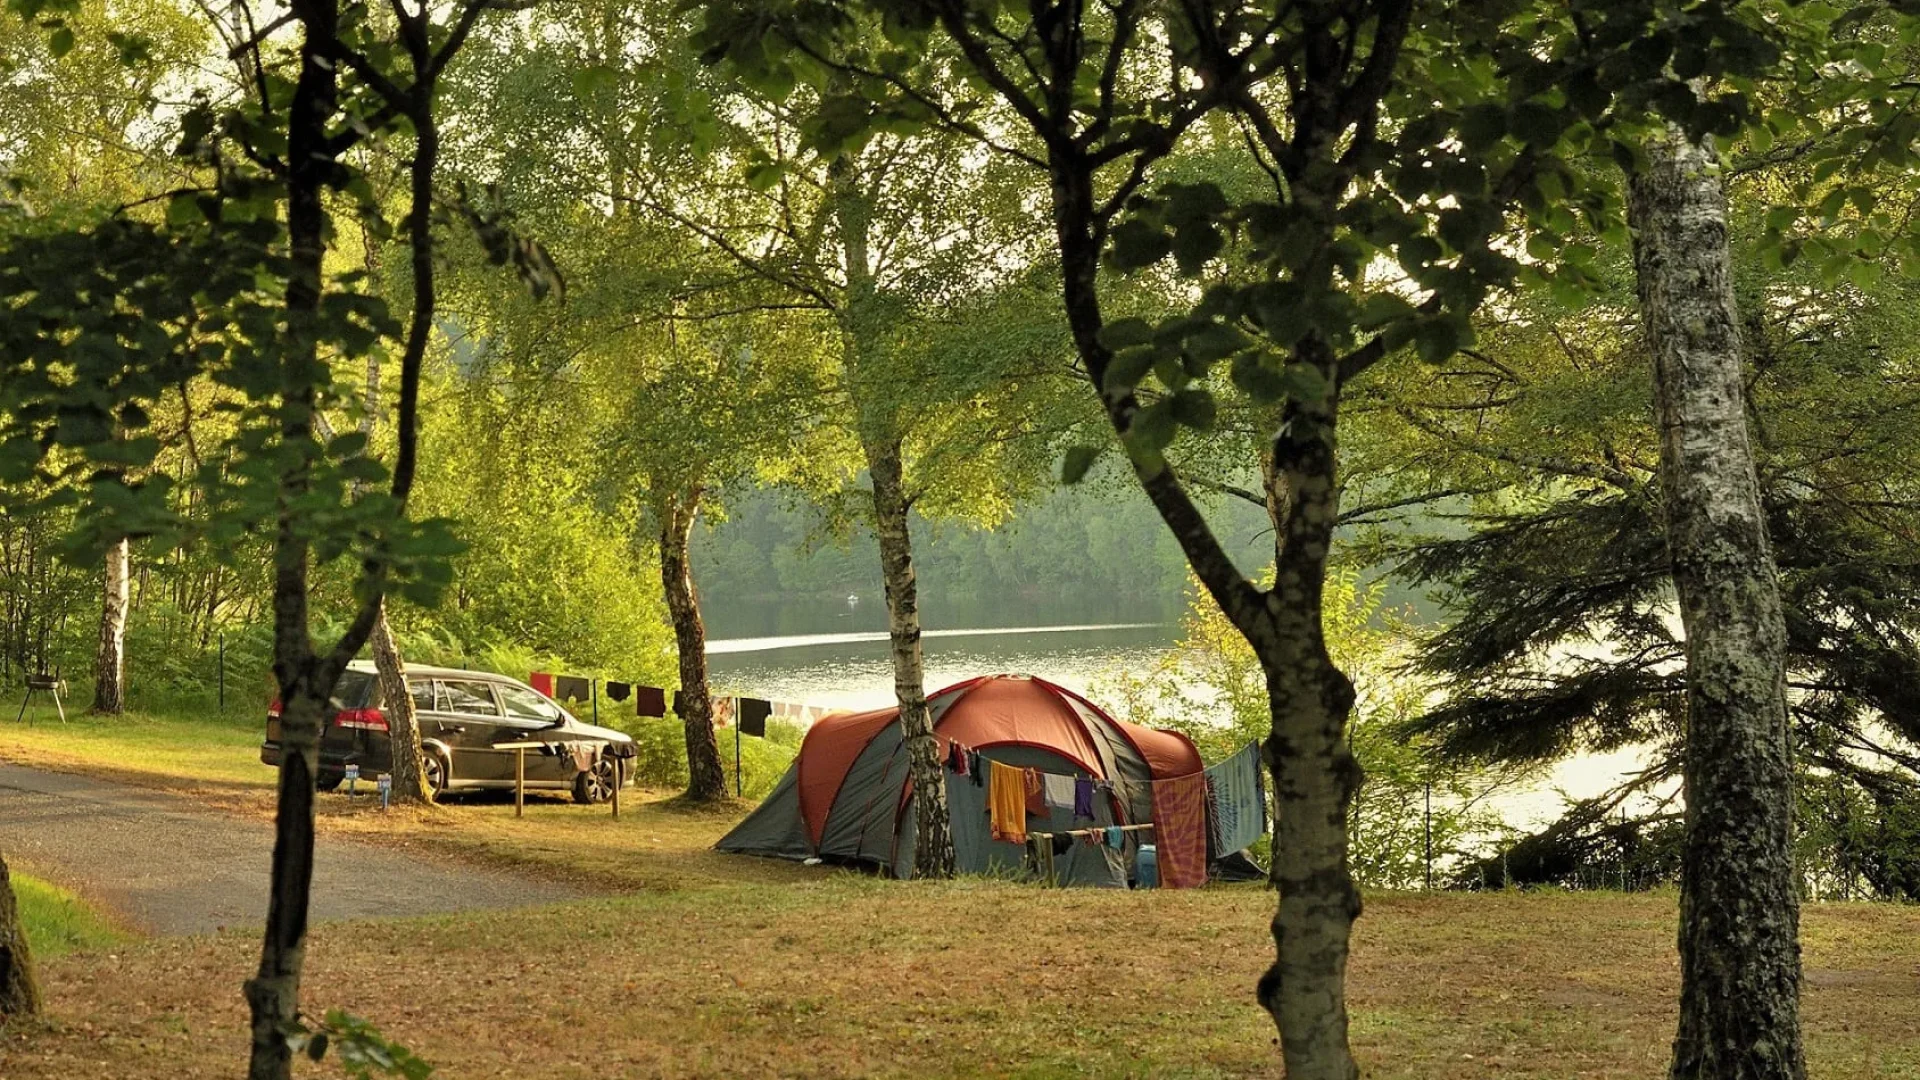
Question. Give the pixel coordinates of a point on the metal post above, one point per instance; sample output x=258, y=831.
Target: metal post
x=1623, y=847
x=593, y=691
x=223, y=671
x=619, y=777
x=1429, y=839
x=736, y=755
x=519, y=781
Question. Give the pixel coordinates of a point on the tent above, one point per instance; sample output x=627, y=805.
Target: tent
x=847, y=797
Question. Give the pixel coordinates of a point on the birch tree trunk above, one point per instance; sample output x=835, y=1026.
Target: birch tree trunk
x=933, y=855
x=1739, y=913
x=860, y=335
x=706, y=777
x=1314, y=772
x=110, y=659
x=409, y=760
x=19, y=993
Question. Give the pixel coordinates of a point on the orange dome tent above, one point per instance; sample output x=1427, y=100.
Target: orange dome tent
x=848, y=798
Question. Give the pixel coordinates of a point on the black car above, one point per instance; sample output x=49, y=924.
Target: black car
x=463, y=717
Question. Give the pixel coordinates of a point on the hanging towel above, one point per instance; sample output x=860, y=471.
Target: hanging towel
x=724, y=710
x=1115, y=838
x=584, y=756
x=619, y=691
x=648, y=700
x=1036, y=792
x=1180, y=830
x=954, y=757
x=1083, y=798
x=1237, y=796
x=542, y=682
x=753, y=716
x=977, y=768
x=572, y=688
x=1007, y=803
x=1059, y=791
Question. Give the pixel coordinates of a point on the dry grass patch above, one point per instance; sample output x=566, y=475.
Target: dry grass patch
x=849, y=976
x=657, y=843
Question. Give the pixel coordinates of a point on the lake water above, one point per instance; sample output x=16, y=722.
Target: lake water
x=837, y=656
x=850, y=669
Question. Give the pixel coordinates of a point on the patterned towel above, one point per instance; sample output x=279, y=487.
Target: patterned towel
x=1180, y=830
x=1238, y=799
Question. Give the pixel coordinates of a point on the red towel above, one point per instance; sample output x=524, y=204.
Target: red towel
x=1180, y=830
x=1036, y=793
x=541, y=681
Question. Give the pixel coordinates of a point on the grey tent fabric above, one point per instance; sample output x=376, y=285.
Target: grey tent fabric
x=865, y=815
x=775, y=827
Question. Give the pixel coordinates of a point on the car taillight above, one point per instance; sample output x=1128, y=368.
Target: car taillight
x=365, y=719
x=273, y=710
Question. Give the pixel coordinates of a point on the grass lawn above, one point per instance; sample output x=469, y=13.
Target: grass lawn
x=702, y=965
x=58, y=922
x=182, y=750
x=854, y=977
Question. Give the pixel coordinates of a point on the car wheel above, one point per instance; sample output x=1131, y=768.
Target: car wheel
x=595, y=784
x=434, y=772
x=328, y=779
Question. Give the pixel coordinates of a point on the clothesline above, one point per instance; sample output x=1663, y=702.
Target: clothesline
x=1095, y=831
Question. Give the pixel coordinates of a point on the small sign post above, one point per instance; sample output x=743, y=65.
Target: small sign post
x=385, y=784
x=353, y=777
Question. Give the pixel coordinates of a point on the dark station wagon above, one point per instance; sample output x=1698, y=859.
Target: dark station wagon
x=463, y=716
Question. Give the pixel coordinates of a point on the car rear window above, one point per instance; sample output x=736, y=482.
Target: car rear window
x=353, y=690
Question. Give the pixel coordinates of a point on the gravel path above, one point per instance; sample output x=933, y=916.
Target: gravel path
x=172, y=868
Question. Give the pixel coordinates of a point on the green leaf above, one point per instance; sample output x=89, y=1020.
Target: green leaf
x=1437, y=339
x=1214, y=341
x=1126, y=333
x=1152, y=428
x=60, y=42
x=1194, y=245
x=594, y=79
x=1194, y=407
x=184, y=210
x=1138, y=244
x=1304, y=382
x=1078, y=461
x=1381, y=308
x=1257, y=379
x=1127, y=368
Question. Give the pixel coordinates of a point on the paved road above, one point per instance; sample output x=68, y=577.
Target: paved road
x=172, y=868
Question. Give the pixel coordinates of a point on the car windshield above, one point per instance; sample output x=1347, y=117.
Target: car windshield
x=524, y=704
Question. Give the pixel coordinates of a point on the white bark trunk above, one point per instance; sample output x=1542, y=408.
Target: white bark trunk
x=1739, y=912
x=409, y=763
x=860, y=317
x=110, y=659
